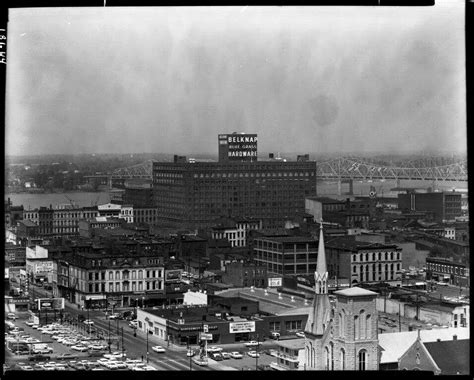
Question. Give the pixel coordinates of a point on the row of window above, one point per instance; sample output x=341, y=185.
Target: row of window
x=376, y=256
x=117, y=287
x=246, y=175
x=445, y=268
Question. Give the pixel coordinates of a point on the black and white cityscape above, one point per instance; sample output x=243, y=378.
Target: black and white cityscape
x=236, y=189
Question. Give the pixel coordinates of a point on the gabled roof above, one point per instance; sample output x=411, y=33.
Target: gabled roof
x=451, y=356
x=355, y=292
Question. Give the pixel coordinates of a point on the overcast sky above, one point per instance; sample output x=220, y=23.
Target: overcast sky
x=169, y=80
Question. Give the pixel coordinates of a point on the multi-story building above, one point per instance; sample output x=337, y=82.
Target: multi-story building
x=447, y=271
x=235, y=230
x=245, y=274
x=194, y=195
x=66, y=220
x=363, y=262
x=446, y=206
x=139, y=193
x=89, y=275
x=124, y=211
x=286, y=255
x=39, y=264
x=146, y=215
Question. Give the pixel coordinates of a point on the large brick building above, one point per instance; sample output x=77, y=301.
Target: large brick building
x=445, y=206
x=194, y=195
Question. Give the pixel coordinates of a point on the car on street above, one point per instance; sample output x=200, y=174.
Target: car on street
x=300, y=334
x=88, y=322
x=214, y=349
x=26, y=368
x=11, y=316
x=97, y=347
x=113, y=316
x=80, y=348
x=190, y=353
x=29, y=323
x=159, y=349
x=66, y=356
x=236, y=355
x=35, y=326
x=253, y=354
x=200, y=361
x=111, y=365
x=133, y=324
x=252, y=343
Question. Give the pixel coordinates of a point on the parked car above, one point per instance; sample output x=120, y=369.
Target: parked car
x=300, y=334
x=190, y=353
x=113, y=316
x=158, y=349
x=252, y=343
x=29, y=323
x=114, y=355
x=11, y=316
x=216, y=356
x=80, y=348
x=88, y=322
x=133, y=324
x=236, y=355
x=39, y=357
x=253, y=354
x=214, y=349
x=275, y=335
x=225, y=355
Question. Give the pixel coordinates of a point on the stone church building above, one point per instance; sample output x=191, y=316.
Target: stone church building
x=340, y=334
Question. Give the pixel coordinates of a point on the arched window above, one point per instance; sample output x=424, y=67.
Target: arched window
x=111, y=275
x=331, y=353
x=362, y=324
x=368, y=326
x=356, y=327
x=117, y=275
x=140, y=274
x=362, y=359
x=343, y=359
x=326, y=356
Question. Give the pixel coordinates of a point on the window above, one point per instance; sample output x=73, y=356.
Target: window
x=140, y=274
x=111, y=275
x=343, y=359
x=111, y=287
x=362, y=358
x=274, y=326
x=117, y=275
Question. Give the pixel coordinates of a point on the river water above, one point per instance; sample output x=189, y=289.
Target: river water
x=82, y=199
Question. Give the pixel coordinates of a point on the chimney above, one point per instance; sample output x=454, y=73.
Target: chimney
x=455, y=337
x=270, y=155
x=438, y=340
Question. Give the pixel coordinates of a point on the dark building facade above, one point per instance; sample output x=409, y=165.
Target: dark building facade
x=446, y=206
x=194, y=195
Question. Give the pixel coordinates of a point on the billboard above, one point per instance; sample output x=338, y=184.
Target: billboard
x=173, y=275
x=237, y=147
x=274, y=282
x=205, y=336
x=241, y=327
x=50, y=303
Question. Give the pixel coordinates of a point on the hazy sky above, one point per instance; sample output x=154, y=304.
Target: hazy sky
x=169, y=80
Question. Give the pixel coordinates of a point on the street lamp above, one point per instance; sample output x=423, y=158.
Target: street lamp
x=189, y=353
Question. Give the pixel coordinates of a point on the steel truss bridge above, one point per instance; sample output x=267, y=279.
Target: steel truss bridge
x=355, y=168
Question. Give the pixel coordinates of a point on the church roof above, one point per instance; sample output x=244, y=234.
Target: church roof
x=394, y=345
x=355, y=292
x=321, y=262
x=319, y=315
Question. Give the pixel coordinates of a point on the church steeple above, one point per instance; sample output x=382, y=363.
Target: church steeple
x=321, y=274
x=319, y=315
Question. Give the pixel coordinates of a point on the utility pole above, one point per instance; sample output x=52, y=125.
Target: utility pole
x=256, y=354
x=147, y=345
x=123, y=348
